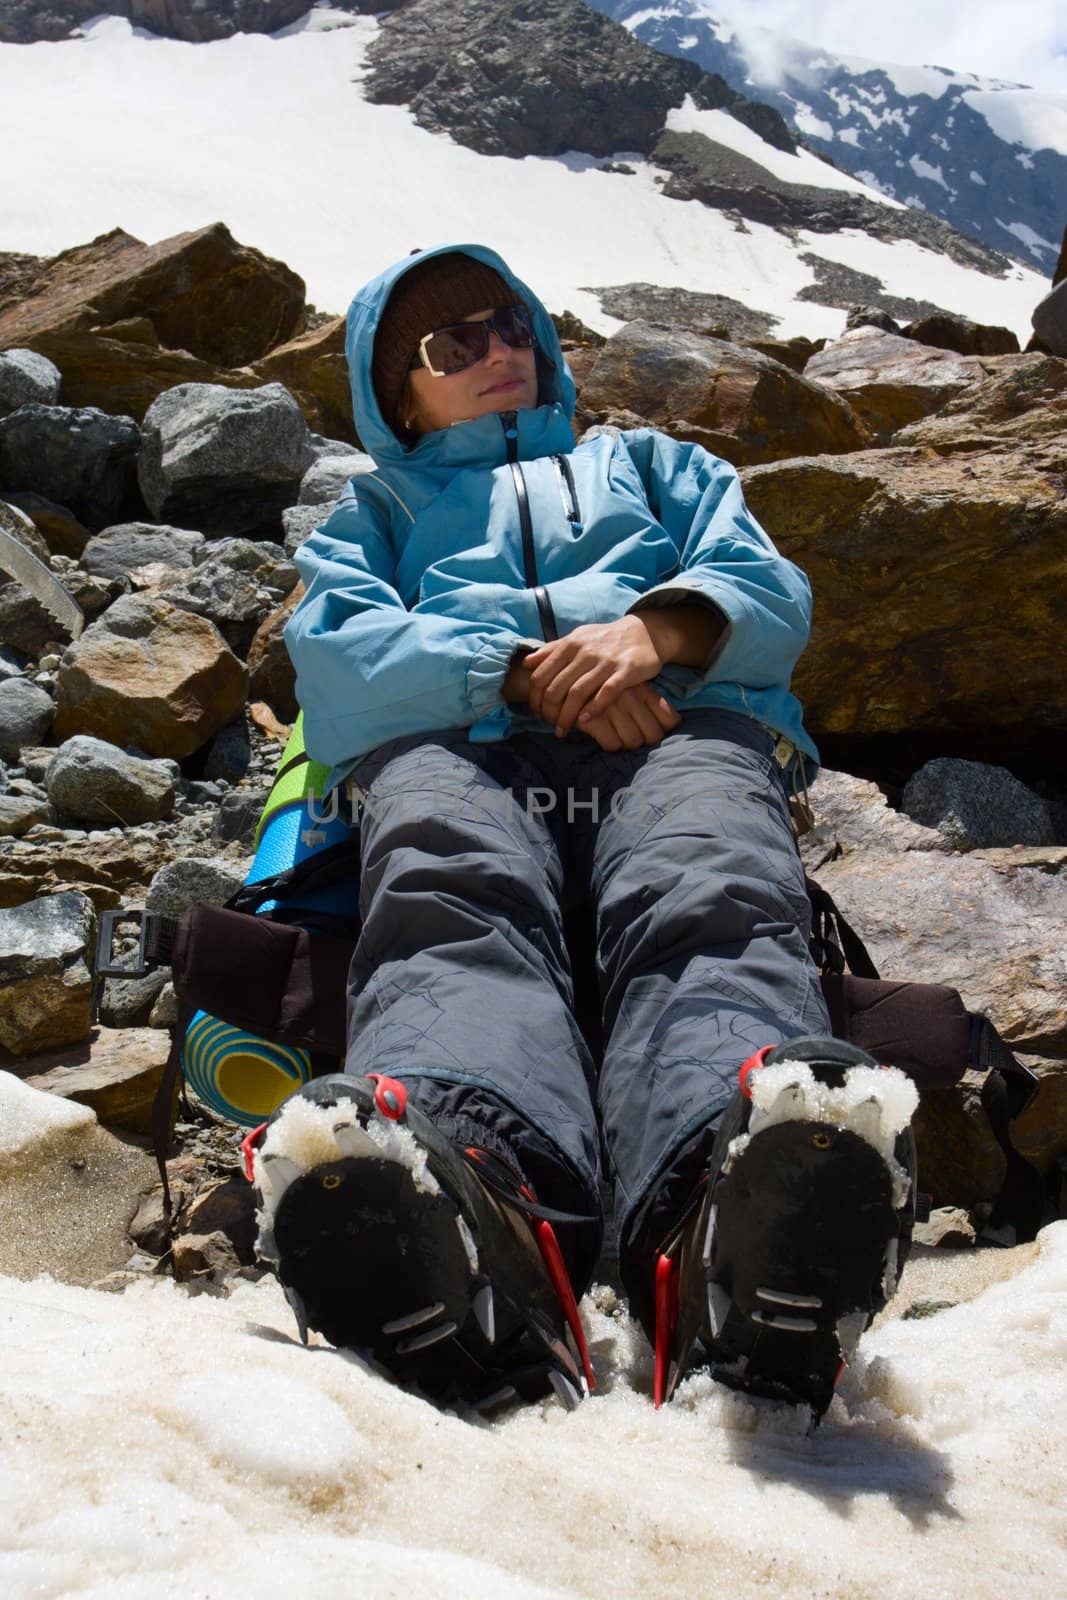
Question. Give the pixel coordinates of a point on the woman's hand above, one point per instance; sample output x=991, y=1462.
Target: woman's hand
x=638, y=717
x=599, y=659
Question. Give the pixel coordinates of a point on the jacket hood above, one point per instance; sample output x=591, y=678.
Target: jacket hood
x=364, y=314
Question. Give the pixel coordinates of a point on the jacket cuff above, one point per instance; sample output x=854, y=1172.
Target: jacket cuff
x=488, y=669
x=676, y=679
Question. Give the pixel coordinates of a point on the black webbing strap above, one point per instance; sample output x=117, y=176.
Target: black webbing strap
x=163, y=1103
x=1007, y=1089
x=835, y=944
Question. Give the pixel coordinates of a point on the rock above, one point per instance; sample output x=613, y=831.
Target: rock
x=128, y=1002
x=271, y=674
x=314, y=370
x=164, y=1013
x=871, y=317
x=327, y=477
x=229, y=753
x=574, y=332
x=547, y=79
x=117, y=551
x=227, y=1208
x=992, y=930
x=59, y=527
x=792, y=353
x=115, y=1071
x=235, y=603
x=202, y=292
x=1050, y=319
x=96, y=782
x=939, y=590
x=27, y=379
x=151, y=675
x=891, y=381
x=213, y=19
x=25, y=716
x=227, y=461
x=193, y=878
x=108, y=868
x=966, y=338
x=45, y=978
x=236, y=819
x=1021, y=403
x=735, y=402
x=19, y=813
x=82, y=458
x=684, y=310
x=206, y=1260
x=300, y=522
x=977, y=806
x=91, y=595
x=118, y=371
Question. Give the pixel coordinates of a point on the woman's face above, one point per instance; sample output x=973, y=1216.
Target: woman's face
x=504, y=380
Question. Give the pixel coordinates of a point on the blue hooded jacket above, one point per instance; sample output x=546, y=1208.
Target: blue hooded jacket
x=431, y=572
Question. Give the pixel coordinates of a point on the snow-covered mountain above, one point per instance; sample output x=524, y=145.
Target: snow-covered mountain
x=989, y=157
x=279, y=137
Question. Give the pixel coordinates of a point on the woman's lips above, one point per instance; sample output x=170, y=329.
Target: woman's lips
x=503, y=385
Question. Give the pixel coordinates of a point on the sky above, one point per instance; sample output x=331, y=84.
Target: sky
x=1025, y=42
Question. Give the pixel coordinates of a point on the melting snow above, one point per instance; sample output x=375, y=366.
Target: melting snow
x=923, y=169
x=1023, y=116
x=157, y=1444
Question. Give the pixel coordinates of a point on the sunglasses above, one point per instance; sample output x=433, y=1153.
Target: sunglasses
x=461, y=344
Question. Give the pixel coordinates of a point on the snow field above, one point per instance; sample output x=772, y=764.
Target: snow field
x=157, y=1443
x=271, y=136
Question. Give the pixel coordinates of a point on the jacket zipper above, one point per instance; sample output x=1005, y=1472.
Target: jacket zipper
x=549, y=630
x=568, y=493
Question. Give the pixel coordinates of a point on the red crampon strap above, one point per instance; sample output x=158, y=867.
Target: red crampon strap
x=752, y=1065
x=390, y=1096
x=666, y=1322
x=249, y=1145
x=557, y=1271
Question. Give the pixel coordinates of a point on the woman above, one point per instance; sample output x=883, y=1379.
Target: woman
x=553, y=670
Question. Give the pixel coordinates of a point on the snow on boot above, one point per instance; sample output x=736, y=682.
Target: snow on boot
x=797, y=1237
x=435, y=1263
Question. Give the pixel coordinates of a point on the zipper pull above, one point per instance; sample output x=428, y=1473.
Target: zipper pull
x=509, y=421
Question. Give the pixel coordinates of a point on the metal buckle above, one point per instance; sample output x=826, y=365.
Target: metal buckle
x=105, y=939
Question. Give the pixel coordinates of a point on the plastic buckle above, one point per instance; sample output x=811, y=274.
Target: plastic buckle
x=105, y=939
x=1023, y=1084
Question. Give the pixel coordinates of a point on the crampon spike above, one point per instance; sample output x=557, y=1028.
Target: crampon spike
x=557, y=1271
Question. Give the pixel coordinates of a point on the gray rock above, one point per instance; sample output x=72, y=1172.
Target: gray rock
x=45, y=979
x=871, y=317
x=191, y=878
x=976, y=806
x=128, y=1002
x=300, y=522
x=321, y=446
x=21, y=812
x=129, y=545
x=25, y=716
x=260, y=559
x=235, y=603
x=1050, y=319
x=78, y=456
x=326, y=477
x=226, y=460
x=229, y=753
x=93, y=781
x=237, y=817
x=10, y=665
x=27, y=379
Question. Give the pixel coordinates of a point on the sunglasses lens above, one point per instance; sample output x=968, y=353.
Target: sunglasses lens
x=514, y=327
x=461, y=345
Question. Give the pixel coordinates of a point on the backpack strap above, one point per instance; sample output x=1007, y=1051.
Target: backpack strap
x=1008, y=1088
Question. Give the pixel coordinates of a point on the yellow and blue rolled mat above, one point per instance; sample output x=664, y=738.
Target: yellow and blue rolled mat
x=235, y=1073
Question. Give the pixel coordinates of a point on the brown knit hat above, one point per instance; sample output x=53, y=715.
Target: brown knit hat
x=444, y=289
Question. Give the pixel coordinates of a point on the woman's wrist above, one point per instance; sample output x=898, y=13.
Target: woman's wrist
x=684, y=636
x=515, y=689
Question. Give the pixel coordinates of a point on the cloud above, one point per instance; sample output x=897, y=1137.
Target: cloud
x=1024, y=44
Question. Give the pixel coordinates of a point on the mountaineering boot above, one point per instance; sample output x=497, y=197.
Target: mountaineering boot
x=436, y=1263
x=797, y=1236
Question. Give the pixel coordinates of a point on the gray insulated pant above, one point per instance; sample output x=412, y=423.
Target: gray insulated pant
x=461, y=984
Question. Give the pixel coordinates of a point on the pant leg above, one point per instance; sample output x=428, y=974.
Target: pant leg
x=702, y=952
x=460, y=984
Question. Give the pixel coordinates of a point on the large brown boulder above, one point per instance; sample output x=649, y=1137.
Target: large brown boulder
x=735, y=402
x=126, y=367
x=940, y=590
x=313, y=368
x=989, y=924
x=891, y=381
x=202, y=292
x=150, y=675
x=1021, y=403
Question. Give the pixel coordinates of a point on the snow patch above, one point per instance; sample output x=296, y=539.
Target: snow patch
x=1023, y=116
x=722, y=128
x=923, y=169
x=1027, y=236
x=976, y=177
x=849, y=136
x=811, y=125
x=31, y=1117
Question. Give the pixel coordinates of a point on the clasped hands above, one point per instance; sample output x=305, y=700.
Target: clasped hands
x=597, y=678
